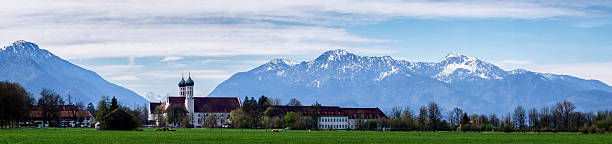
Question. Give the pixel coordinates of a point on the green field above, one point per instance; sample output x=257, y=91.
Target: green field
x=88, y=135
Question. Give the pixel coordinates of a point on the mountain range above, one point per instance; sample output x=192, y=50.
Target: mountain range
x=341, y=78
x=34, y=68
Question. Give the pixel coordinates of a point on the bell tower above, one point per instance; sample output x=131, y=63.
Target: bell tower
x=182, y=89
x=189, y=100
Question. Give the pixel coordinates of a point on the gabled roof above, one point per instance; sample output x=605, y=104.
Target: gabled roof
x=363, y=113
x=153, y=105
x=63, y=114
x=202, y=104
x=304, y=110
x=216, y=104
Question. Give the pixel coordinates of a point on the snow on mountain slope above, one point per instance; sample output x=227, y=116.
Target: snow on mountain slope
x=341, y=78
x=34, y=68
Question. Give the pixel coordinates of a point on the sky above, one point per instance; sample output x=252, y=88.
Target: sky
x=146, y=46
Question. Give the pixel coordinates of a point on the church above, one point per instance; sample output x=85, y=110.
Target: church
x=199, y=108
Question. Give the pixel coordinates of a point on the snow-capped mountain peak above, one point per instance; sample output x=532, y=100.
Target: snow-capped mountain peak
x=457, y=58
x=283, y=62
x=336, y=55
x=21, y=45
x=457, y=66
x=35, y=68
x=25, y=49
x=341, y=78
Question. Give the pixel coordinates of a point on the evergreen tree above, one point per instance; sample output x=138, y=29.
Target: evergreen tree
x=114, y=104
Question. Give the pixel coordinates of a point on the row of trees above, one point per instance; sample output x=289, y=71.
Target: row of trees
x=560, y=117
x=257, y=114
x=16, y=104
x=429, y=118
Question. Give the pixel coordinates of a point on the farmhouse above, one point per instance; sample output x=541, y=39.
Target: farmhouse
x=69, y=116
x=201, y=108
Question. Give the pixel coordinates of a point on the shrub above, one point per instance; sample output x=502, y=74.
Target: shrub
x=545, y=129
x=604, y=123
x=584, y=129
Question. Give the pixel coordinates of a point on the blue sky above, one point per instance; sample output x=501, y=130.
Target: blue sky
x=147, y=46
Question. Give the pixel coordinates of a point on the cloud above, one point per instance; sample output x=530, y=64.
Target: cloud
x=171, y=58
x=93, y=29
x=515, y=62
x=124, y=78
x=589, y=24
x=592, y=70
x=597, y=70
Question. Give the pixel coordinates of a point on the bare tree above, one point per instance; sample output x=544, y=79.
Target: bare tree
x=294, y=102
x=275, y=101
x=493, y=120
x=422, y=118
x=519, y=117
x=566, y=109
x=533, y=119
x=396, y=112
x=434, y=115
x=49, y=105
x=458, y=115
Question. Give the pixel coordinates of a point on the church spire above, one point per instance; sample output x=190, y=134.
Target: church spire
x=189, y=81
x=182, y=82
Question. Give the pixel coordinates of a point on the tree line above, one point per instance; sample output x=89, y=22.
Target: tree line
x=258, y=114
x=561, y=117
x=16, y=104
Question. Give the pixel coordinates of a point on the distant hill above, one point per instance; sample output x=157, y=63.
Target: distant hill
x=341, y=78
x=34, y=68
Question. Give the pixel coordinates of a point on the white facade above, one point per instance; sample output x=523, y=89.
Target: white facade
x=334, y=122
x=220, y=119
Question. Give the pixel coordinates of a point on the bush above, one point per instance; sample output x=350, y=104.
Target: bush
x=585, y=129
x=545, y=129
x=604, y=123
x=508, y=129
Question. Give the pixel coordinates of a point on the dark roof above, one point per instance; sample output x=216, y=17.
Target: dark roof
x=176, y=100
x=202, y=104
x=363, y=113
x=216, y=104
x=153, y=105
x=304, y=110
x=182, y=82
x=62, y=114
x=352, y=113
x=189, y=82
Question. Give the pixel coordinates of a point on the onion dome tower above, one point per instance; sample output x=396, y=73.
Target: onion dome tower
x=182, y=89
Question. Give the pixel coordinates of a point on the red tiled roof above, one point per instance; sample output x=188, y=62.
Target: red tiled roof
x=216, y=104
x=62, y=114
x=363, y=113
x=203, y=104
x=369, y=113
x=176, y=100
x=304, y=110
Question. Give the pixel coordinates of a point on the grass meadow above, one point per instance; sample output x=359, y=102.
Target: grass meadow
x=200, y=135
